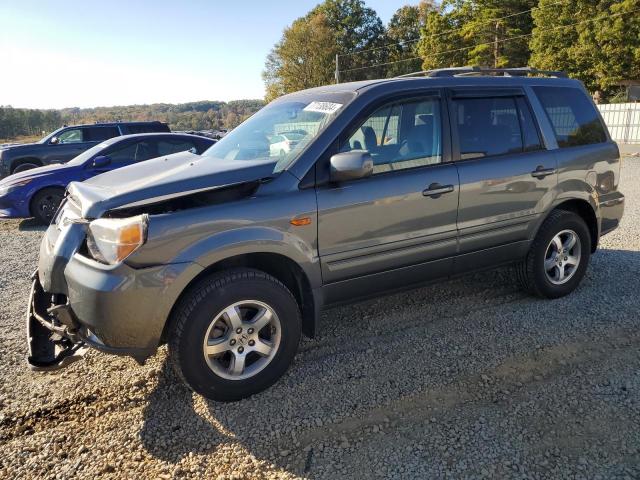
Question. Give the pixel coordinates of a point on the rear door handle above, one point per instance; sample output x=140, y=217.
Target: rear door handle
x=435, y=190
x=542, y=172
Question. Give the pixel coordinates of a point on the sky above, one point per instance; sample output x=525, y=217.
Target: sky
x=89, y=53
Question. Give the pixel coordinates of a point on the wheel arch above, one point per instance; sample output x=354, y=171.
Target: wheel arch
x=277, y=265
x=15, y=163
x=586, y=211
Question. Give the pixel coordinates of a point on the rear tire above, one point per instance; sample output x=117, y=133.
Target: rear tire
x=45, y=203
x=224, y=358
x=558, y=257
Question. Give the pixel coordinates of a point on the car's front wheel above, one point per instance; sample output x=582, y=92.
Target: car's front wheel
x=45, y=203
x=558, y=257
x=234, y=334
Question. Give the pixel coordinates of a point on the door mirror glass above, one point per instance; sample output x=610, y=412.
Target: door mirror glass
x=351, y=165
x=100, y=161
x=54, y=140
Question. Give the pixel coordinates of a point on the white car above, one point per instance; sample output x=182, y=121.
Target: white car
x=284, y=143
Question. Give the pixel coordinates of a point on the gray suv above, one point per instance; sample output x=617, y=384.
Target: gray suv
x=230, y=256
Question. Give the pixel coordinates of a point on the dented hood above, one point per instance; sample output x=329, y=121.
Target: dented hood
x=161, y=178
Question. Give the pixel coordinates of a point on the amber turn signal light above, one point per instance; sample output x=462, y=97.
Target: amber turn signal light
x=299, y=222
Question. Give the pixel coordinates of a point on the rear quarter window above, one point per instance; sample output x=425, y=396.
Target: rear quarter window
x=573, y=117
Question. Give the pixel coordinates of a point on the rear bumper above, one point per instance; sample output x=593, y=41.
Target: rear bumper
x=611, y=211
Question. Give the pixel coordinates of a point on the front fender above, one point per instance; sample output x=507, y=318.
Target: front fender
x=250, y=240
x=254, y=225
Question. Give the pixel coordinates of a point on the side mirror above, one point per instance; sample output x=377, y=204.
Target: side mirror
x=54, y=141
x=351, y=165
x=100, y=161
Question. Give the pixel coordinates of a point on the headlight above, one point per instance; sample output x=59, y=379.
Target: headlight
x=111, y=240
x=5, y=189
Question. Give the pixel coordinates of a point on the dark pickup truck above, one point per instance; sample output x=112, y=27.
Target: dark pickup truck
x=68, y=142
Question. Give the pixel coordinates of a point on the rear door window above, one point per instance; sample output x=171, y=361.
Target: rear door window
x=167, y=147
x=100, y=134
x=146, y=128
x=132, y=152
x=488, y=126
x=530, y=136
x=573, y=117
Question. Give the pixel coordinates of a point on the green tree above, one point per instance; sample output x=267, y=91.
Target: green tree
x=477, y=32
x=357, y=29
x=403, y=32
x=596, y=41
x=304, y=57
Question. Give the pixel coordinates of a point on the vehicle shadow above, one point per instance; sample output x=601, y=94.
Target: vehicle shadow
x=31, y=225
x=335, y=377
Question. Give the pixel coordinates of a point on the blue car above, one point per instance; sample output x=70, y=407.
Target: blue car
x=37, y=192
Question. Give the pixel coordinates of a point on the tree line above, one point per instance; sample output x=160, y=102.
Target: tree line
x=596, y=41
x=203, y=115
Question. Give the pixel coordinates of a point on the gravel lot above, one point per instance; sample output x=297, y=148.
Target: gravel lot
x=467, y=379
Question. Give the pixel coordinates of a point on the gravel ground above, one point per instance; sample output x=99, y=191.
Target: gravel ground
x=467, y=379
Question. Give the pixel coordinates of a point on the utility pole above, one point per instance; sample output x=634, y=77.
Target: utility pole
x=337, y=68
x=495, y=46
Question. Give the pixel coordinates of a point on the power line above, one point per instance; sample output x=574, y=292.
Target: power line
x=499, y=41
x=436, y=35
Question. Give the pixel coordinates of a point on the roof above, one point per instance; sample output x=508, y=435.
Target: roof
x=462, y=76
x=120, y=138
x=110, y=124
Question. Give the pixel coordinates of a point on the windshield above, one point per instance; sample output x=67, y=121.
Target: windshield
x=280, y=131
x=87, y=154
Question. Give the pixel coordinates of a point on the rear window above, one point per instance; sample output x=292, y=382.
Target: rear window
x=147, y=128
x=574, y=119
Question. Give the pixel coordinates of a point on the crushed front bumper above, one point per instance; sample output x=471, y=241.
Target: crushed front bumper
x=52, y=343
x=55, y=336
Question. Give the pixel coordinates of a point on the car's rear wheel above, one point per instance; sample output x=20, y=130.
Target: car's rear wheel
x=558, y=257
x=234, y=334
x=45, y=203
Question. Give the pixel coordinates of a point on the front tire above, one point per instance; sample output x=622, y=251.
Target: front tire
x=45, y=203
x=234, y=334
x=558, y=257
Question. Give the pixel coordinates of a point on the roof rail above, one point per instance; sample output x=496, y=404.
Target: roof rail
x=474, y=70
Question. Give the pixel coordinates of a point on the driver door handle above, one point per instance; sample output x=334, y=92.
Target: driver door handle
x=435, y=190
x=542, y=172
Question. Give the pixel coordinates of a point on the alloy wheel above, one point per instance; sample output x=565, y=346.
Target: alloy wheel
x=562, y=257
x=242, y=340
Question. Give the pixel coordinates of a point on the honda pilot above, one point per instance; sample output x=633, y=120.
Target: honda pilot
x=229, y=257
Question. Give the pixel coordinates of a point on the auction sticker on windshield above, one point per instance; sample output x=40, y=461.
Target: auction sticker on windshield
x=323, y=107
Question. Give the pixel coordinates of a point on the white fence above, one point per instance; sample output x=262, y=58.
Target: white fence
x=623, y=121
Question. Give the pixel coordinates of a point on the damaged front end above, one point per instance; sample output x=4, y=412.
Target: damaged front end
x=52, y=333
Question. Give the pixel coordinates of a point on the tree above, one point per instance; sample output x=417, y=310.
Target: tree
x=597, y=41
x=477, y=32
x=499, y=31
x=357, y=30
x=304, y=57
x=403, y=32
